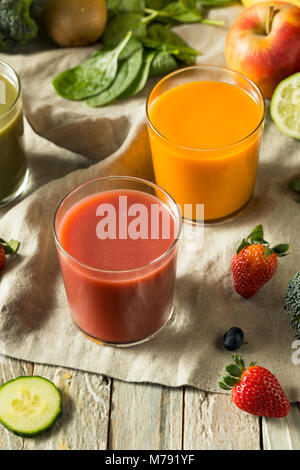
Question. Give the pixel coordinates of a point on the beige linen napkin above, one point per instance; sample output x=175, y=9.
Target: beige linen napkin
x=35, y=324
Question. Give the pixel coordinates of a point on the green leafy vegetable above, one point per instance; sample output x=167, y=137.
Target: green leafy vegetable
x=121, y=69
x=91, y=77
x=157, y=4
x=115, y=7
x=162, y=38
x=178, y=12
x=140, y=81
x=118, y=26
x=16, y=24
x=213, y=3
x=127, y=73
x=163, y=63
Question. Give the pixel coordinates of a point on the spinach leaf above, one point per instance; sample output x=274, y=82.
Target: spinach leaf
x=162, y=38
x=92, y=76
x=179, y=12
x=140, y=81
x=131, y=47
x=120, y=25
x=127, y=73
x=115, y=7
x=163, y=63
x=213, y=3
x=157, y=4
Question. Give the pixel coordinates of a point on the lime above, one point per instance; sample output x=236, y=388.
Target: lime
x=285, y=106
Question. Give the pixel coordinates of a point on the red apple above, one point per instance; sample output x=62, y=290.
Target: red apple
x=264, y=44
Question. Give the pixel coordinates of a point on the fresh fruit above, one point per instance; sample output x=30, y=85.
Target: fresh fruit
x=29, y=405
x=2, y=257
x=292, y=303
x=264, y=44
x=233, y=338
x=285, y=105
x=75, y=23
x=249, y=3
x=7, y=248
x=255, y=390
x=255, y=262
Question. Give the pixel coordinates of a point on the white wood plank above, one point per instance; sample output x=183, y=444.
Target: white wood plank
x=145, y=417
x=211, y=421
x=10, y=369
x=84, y=423
x=283, y=433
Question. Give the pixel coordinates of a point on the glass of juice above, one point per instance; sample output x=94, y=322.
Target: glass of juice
x=116, y=239
x=13, y=165
x=205, y=125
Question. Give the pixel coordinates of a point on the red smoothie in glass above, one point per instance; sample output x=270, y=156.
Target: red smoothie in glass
x=119, y=273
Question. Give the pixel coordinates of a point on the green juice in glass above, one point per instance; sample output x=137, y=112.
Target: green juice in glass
x=13, y=165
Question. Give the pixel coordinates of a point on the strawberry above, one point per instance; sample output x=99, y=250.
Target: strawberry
x=2, y=257
x=255, y=390
x=7, y=248
x=255, y=262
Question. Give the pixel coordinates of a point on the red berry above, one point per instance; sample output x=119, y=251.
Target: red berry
x=255, y=262
x=255, y=390
x=252, y=269
x=260, y=393
x=2, y=257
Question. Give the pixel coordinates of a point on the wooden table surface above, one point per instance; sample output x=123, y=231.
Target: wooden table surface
x=101, y=413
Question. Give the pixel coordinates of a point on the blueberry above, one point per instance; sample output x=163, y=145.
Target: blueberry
x=233, y=339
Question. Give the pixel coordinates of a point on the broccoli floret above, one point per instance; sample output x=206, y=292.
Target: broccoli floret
x=292, y=303
x=16, y=24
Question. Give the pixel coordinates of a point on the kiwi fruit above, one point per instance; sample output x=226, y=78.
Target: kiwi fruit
x=76, y=22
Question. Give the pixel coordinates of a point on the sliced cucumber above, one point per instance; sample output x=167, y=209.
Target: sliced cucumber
x=29, y=405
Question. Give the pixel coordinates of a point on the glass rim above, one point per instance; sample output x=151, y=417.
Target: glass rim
x=119, y=271
x=9, y=67
x=205, y=67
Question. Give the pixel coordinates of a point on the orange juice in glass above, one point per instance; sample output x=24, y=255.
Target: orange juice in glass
x=205, y=125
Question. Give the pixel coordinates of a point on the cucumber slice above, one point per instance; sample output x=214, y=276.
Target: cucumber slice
x=29, y=405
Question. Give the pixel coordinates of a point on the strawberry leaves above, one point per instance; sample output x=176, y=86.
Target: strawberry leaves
x=257, y=237
x=11, y=247
x=234, y=371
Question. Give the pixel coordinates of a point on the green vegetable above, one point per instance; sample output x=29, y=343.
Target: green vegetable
x=161, y=37
x=116, y=70
x=292, y=303
x=29, y=405
x=120, y=25
x=16, y=24
x=91, y=77
x=163, y=63
x=140, y=81
x=126, y=74
x=178, y=12
x=115, y=7
x=213, y=3
x=157, y=4
x=182, y=11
